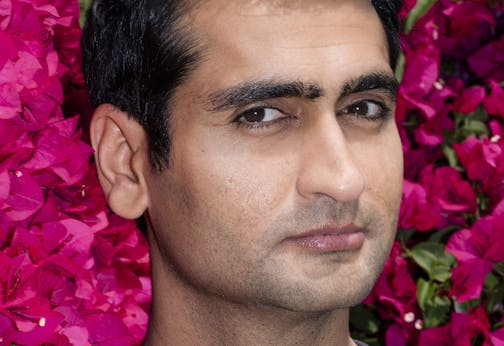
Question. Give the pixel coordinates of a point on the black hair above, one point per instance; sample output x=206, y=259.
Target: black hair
x=388, y=13
x=136, y=53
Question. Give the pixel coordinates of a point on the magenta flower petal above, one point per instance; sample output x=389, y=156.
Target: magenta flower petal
x=10, y=101
x=468, y=278
x=25, y=198
x=494, y=103
x=416, y=211
x=107, y=330
x=497, y=337
x=487, y=62
x=469, y=100
x=478, y=157
x=461, y=247
x=440, y=336
x=446, y=187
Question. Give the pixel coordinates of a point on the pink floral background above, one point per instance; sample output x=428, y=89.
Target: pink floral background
x=73, y=273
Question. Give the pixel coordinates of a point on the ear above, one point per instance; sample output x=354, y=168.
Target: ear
x=121, y=155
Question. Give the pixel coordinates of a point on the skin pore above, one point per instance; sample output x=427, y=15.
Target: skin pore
x=283, y=130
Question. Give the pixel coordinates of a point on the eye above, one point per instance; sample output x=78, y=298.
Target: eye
x=370, y=110
x=260, y=116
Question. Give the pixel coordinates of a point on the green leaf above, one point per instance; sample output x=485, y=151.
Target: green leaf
x=467, y=305
x=451, y=156
x=401, y=63
x=440, y=235
x=437, y=312
x=499, y=269
x=475, y=127
x=404, y=235
x=494, y=290
x=491, y=281
x=425, y=292
x=84, y=5
x=364, y=319
x=479, y=114
x=418, y=11
x=432, y=258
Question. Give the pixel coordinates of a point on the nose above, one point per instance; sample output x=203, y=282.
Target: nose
x=328, y=164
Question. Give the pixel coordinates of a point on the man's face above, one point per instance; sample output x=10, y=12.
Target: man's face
x=285, y=175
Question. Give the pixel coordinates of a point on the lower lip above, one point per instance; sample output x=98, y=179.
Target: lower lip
x=331, y=242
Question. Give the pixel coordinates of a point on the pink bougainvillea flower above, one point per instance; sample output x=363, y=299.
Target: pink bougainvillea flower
x=487, y=62
x=416, y=211
x=108, y=330
x=395, y=290
x=52, y=209
x=44, y=327
x=440, y=336
x=494, y=103
x=421, y=73
x=4, y=186
x=469, y=100
x=396, y=336
x=446, y=187
x=25, y=197
x=497, y=336
x=476, y=249
x=467, y=17
x=460, y=331
x=7, y=330
x=10, y=101
x=431, y=132
x=479, y=157
x=70, y=164
x=468, y=278
x=485, y=239
x=463, y=26
x=9, y=50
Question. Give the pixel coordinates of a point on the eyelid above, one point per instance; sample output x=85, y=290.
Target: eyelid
x=263, y=127
x=237, y=115
x=384, y=109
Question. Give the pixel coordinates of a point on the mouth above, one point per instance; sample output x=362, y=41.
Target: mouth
x=330, y=239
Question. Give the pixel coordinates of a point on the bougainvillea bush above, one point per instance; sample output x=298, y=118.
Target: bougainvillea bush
x=70, y=273
x=444, y=281
x=73, y=273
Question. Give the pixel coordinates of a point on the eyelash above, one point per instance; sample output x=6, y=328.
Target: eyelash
x=261, y=124
x=383, y=112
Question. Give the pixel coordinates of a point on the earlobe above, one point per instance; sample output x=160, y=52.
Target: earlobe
x=122, y=159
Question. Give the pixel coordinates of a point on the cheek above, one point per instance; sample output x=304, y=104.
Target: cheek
x=382, y=163
x=233, y=188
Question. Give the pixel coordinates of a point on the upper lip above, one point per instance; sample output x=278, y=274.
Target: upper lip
x=328, y=230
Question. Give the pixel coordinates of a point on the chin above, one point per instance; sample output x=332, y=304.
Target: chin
x=322, y=297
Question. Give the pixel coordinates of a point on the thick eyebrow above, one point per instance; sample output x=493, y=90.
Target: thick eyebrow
x=256, y=91
x=374, y=81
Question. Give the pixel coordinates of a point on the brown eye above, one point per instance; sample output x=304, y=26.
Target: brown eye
x=260, y=115
x=254, y=115
x=361, y=108
x=367, y=109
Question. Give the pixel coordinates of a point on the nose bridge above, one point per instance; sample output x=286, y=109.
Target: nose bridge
x=328, y=164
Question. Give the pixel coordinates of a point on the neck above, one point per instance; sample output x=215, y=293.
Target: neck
x=185, y=315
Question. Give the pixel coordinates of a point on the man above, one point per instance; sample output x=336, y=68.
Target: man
x=257, y=139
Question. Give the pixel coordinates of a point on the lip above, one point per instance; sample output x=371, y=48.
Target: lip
x=330, y=239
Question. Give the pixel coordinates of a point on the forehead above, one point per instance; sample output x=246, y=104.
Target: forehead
x=307, y=40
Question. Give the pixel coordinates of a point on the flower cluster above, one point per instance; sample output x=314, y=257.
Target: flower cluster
x=73, y=273
x=444, y=281
x=70, y=273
